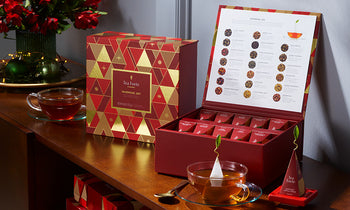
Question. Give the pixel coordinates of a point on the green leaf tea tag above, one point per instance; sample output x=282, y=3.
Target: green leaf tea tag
x=296, y=132
x=218, y=141
x=296, y=136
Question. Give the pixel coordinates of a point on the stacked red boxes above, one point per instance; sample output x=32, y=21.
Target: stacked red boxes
x=92, y=193
x=81, y=182
x=255, y=94
x=136, y=83
x=103, y=196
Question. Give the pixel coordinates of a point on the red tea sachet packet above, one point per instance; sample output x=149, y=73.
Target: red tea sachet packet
x=223, y=131
x=259, y=137
x=278, y=124
x=259, y=122
x=240, y=134
x=207, y=115
x=203, y=129
x=186, y=126
x=223, y=117
x=240, y=119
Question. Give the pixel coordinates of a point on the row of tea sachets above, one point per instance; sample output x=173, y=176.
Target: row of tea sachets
x=243, y=120
x=239, y=134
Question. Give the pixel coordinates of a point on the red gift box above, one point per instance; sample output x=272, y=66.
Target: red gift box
x=80, y=187
x=136, y=83
x=71, y=204
x=97, y=191
x=256, y=69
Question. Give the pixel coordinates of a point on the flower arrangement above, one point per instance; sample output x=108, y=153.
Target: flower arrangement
x=42, y=16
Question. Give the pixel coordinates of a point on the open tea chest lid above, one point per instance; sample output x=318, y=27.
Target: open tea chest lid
x=261, y=60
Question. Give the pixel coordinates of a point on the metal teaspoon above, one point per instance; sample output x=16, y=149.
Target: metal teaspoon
x=171, y=193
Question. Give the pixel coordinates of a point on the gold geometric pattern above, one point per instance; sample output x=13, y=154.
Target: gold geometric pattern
x=125, y=51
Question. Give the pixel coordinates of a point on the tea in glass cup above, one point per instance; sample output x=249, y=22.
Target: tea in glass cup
x=58, y=103
x=219, y=190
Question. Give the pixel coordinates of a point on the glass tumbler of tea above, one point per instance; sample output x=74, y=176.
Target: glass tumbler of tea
x=57, y=103
x=219, y=190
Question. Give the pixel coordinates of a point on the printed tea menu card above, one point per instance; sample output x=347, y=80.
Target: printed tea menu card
x=261, y=58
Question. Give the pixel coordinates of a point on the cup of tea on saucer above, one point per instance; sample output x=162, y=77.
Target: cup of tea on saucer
x=219, y=190
x=57, y=103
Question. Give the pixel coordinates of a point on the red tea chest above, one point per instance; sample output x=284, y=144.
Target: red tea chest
x=255, y=94
x=136, y=83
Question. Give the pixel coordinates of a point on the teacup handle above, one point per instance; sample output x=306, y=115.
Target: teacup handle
x=240, y=198
x=29, y=102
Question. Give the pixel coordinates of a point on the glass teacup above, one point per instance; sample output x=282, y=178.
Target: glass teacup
x=57, y=103
x=219, y=190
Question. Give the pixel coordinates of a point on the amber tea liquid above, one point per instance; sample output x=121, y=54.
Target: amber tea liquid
x=212, y=194
x=62, y=109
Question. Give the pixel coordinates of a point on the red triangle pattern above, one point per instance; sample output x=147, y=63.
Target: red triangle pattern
x=111, y=118
x=136, y=54
x=157, y=74
x=168, y=47
x=173, y=110
x=96, y=99
x=167, y=80
x=158, y=97
x=104, y=84
x=159, y=62
x=155, y=123
x=130, y=129
x=104, y=40
x=129, y=62
x=109, y=108
x=108, y=90
x=154, y=79
x=164, y=71
x=96, y=89
x=103, y=66
x=150, y=127
x=134, y=44
x=110, y=52
x=89, y=83
x=136, y=121
x=89, y=53
x=159, y=108
x=114, y=45
x=150, y=56
x=95, y=121
x=103, y=104
x=175, y=62
x=125, y=120
x=151, y=46
x=123, y=45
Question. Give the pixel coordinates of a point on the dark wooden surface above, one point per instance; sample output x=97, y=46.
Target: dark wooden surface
x=65, y=148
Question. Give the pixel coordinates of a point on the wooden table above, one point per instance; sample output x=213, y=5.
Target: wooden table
x=39, y=160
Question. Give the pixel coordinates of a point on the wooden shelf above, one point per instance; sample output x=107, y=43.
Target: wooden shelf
x=50, y=153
